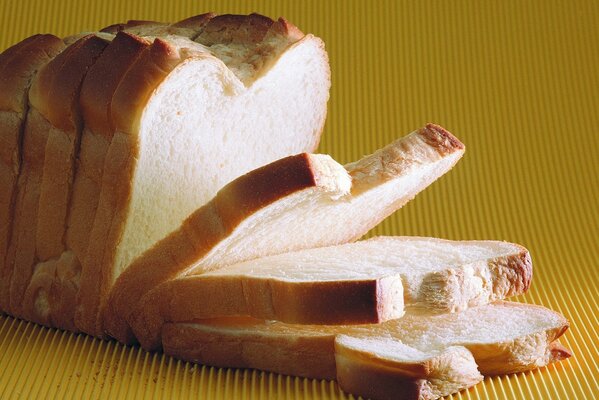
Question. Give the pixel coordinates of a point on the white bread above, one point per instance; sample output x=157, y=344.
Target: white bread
x=414, y=357
x=356, y=283
x=250, y=46
x=18, y=65
x=185, y=124
x=290, y=220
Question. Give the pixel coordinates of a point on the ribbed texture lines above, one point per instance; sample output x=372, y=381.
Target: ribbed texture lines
x=516, y=81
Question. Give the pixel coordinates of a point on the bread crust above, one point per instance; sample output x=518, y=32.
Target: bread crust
x=60, y=100
x=311, y=356
x=40, y=206
x=18, y=65
x=493, y=279
x=325, y=302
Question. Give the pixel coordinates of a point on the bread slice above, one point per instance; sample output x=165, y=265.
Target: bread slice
x=414, y=357
x=185, y=123
x=239, y=225
x=354, y=283
x=18, y=66
x=189, y=27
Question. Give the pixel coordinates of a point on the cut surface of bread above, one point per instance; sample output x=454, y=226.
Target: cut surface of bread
x=381, y=183
x=185, y=120
x=362, y=282
x=18, y=66
x=424, y=356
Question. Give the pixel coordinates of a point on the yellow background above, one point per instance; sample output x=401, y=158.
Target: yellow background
x=517, y=81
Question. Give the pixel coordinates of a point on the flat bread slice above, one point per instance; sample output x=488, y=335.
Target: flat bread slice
x=414, y=357
x=369, y=281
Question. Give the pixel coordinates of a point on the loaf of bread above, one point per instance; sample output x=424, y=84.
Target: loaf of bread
x=161, y=188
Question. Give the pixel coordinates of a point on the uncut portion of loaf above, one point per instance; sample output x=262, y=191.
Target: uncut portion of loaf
x=194, y=106
x=58, y=81
x=18, y=66
x=381, y=183
x=363, y=282
x=414, y=357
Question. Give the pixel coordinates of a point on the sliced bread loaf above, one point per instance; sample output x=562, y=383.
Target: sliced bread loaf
x=18, y=66
x=184, y=119
x=239, y=224
x=414, y=357
x=362, y=282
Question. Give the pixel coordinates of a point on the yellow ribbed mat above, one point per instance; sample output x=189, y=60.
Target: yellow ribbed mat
x=517, y=81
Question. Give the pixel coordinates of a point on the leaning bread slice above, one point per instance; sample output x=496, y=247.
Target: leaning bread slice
x=53, y=97
x=188, y=119
x=18, y=66
x=238, y=225
x=415, y=357
x=354, y=283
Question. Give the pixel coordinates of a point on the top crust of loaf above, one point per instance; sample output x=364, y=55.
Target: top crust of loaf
x=119, y=27
x=55, y=91
x=132, y=94
x=18, y=64
x=104, y=77
x=441, y=139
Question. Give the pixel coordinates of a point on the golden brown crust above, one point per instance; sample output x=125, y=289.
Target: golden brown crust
x=310, y=356
x=104, y=77
x=18, y=65
x=195, y=24
x=54, y=101
x=558, y=352
x=61, y=153
x=200, y=232
x=323, y=302
x=62, y=97
x=441, y=139
x=120, y=27
x=130, y=98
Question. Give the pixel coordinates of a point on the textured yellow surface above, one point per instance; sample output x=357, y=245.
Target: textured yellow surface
x=516, y=81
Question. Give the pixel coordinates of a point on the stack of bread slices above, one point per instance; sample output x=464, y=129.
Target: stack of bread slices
x=158, y=186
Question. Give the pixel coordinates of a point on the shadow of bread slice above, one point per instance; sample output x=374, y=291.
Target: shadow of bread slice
x=381, y=183
x=188, y=118
x=414, y=357
x=18, y=66
x=369, y=281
